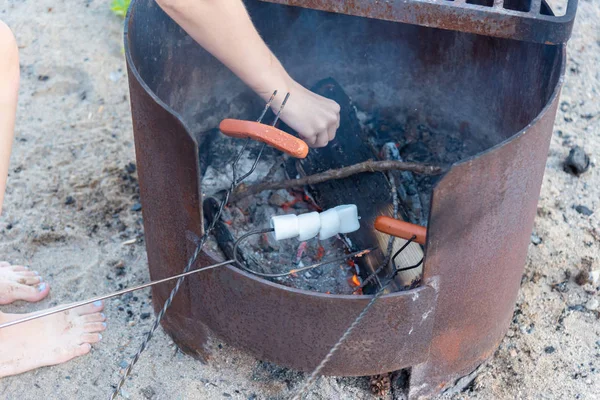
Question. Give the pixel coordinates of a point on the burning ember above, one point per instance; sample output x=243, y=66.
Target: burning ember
x=389, y=138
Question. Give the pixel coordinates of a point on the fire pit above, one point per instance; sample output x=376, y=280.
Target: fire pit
x=496, y=97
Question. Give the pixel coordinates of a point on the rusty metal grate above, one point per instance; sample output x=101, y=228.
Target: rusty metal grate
x=525, y=20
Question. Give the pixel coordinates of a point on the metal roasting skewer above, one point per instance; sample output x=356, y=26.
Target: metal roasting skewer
x=70, y=306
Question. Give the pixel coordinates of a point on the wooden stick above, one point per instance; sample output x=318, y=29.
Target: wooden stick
x=367, y=166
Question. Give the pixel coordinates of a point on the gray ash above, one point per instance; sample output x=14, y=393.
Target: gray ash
x=414, y=141
x=262, y=252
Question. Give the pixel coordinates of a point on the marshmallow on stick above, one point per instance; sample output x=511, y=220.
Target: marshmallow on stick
x=341, y=219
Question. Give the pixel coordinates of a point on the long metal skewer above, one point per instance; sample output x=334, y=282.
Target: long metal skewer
x=70, y=306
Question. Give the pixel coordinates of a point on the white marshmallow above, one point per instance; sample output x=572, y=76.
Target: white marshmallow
x=330, y=224
x=309, y=225
x=348, y=215
x=285, y=226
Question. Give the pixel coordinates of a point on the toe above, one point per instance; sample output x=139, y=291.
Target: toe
x=30, y=280
x=28, y=273
x=83, y=349
x=4, y=264
x=18, y=291
x=18, y=268
x=93, y=327
x=96, y=317
x=91, y=337
x=92, y=308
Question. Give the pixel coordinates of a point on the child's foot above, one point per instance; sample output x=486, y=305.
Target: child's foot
x=49, y=340
x=19, y=283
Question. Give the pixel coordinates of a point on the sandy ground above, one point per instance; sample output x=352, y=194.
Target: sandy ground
x=69, y=210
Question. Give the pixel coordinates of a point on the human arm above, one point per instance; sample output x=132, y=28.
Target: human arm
x=224, y=29
x=9, y=87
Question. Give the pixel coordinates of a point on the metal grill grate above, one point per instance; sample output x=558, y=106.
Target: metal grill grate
x=525, y=20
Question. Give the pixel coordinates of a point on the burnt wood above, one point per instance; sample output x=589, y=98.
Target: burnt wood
x=371, y=191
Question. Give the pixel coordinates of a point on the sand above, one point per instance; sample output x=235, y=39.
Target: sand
x=68, y=213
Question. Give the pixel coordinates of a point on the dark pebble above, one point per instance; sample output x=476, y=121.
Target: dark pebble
x=43, y=78
x=145, y=315
x=583, y=210
x=226, y=395
x=577, y=162
x=582, y=278
x=69, y=200
x=252, y=397
x=549, y=349
x=577, y=307
x=535, y=239
x=136, y=207
x=148, y=392
x=561, y=287
x=130, y=168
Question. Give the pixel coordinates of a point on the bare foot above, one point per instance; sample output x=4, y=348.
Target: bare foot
x=19, y=283
x=50, y=340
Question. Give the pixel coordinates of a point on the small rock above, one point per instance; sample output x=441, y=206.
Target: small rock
x=582, y=278
x=43, y=78
x=69, y=200
x=560, y=286
x=123, y=364
x=148, y=392
x=145, y=315
x=549, y=349
x=115, y=76
x=594, y=277
x=535, y=239
x=513, y=353
x=130, y=168
x=125, y=394
x=225, y=394
x=136, y=207
x=577, y=162
x=592, y=304
x=583, y=210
